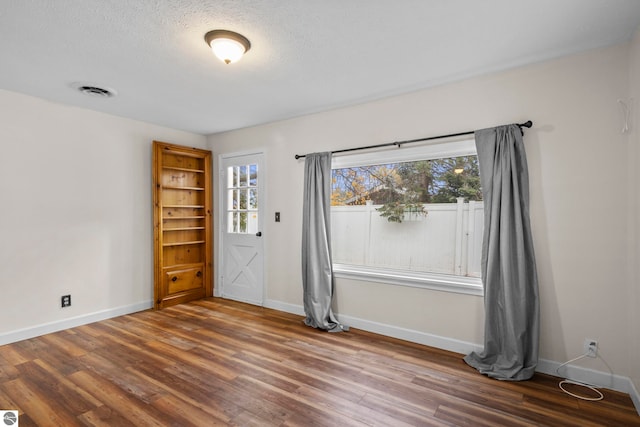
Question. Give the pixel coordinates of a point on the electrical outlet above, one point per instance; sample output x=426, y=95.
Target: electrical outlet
x=590, y=347
x=65, y=301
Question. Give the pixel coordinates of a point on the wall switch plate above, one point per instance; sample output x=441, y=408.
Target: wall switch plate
x=65, y=301
x=277, y=216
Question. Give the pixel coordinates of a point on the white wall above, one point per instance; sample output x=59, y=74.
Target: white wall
x=75, y=212
x=576, y=152
x=634, y=211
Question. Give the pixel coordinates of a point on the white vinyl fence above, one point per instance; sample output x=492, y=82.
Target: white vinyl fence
x=447, y=240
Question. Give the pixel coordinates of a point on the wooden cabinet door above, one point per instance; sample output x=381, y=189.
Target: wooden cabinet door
x=182, y=224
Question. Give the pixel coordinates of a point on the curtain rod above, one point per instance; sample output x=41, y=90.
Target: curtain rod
x=526, y=124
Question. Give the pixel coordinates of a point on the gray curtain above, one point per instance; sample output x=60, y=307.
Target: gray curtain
x=508, y=263
x=317, y=269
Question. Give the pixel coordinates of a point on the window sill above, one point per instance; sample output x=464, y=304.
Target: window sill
x=434, y=281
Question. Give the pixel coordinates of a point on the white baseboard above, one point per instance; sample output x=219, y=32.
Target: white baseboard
x=586, y=375
x=597, y=378
x=387, y=330
x=592, y=377
x=283, y=306
x=59, y=325
x=635, y=396
x=411, y=335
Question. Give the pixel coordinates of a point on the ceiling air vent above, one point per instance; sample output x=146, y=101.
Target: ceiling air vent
x=95, y=91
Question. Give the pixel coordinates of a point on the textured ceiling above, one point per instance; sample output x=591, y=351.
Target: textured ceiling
x=306, y=56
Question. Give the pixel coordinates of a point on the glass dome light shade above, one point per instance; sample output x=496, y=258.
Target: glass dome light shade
x=227, y=50
x=227, y=45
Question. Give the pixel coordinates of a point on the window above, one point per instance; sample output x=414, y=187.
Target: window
x=242, y=199
x=411, y=217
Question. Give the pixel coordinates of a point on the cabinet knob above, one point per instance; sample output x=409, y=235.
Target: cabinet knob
x=174, y=278
x=199, y=274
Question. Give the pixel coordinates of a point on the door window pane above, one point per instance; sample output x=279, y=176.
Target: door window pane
x=253, y=175
x=243, y=176
x=232, y=222
x=253, y=198
x=243, y=199
x=234, y=176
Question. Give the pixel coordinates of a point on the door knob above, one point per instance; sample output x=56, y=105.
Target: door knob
x=259, y=233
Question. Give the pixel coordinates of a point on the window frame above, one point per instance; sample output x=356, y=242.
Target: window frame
x=398, y=277
x=233, y=173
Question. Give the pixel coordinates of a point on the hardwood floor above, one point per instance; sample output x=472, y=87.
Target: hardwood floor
x=218, y=362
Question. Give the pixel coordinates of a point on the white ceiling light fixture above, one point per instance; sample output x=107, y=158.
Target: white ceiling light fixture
x=227, y=45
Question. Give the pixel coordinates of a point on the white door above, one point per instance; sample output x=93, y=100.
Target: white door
x=242, y=201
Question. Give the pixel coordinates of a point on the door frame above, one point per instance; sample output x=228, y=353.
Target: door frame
x=220, y=175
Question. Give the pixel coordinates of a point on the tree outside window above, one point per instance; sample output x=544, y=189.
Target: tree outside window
x=407, y=186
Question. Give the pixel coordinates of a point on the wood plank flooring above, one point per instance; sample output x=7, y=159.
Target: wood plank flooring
x=218, y=362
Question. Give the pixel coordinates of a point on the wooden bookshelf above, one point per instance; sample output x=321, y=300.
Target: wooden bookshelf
x=182, y=224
